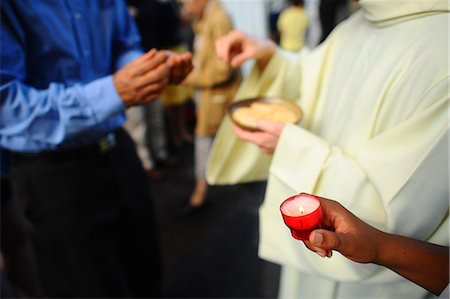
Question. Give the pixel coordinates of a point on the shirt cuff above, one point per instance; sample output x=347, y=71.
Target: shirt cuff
x=103, y=99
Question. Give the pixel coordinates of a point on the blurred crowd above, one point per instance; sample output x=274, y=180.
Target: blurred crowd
x=99, y=98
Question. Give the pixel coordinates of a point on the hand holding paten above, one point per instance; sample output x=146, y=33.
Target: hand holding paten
x=266, y=137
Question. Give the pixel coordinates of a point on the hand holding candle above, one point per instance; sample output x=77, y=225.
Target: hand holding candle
x=302, y=214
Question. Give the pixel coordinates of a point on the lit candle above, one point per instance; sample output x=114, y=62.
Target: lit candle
x=302, y=214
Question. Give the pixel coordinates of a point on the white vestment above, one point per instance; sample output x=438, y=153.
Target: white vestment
x=374, y=137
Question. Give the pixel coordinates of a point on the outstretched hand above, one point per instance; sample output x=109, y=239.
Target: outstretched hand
x=180, y=66
x=236, y=47
x=143, y=79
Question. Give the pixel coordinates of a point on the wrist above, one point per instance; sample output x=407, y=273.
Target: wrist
x=266, y=53
x=382, y=247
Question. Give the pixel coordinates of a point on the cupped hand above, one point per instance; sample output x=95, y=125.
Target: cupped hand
x=266, y=137
x=180, y=66
x=143, y=79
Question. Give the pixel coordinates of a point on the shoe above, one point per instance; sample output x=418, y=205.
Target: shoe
x=154, y=174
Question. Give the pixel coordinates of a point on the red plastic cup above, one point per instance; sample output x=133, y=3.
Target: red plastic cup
x=302, y=214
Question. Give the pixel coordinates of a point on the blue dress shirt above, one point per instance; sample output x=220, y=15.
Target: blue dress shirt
x=57, y=60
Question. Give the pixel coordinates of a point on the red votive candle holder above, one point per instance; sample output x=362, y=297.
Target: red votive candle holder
x=302, y=214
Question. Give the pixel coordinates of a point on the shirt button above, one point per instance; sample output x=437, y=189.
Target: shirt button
x=77, y=16
x=86, y=53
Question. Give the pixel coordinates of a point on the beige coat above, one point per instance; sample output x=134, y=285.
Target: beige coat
x=215, y=81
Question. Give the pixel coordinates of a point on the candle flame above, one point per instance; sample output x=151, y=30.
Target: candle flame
x=301, y=210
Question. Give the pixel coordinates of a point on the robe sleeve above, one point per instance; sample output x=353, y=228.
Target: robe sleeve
x=235, y=161
x=396, y=181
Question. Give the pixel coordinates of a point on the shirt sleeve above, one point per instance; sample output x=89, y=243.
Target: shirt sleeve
x=47, y=116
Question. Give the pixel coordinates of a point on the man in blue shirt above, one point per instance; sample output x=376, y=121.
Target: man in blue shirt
x=68, y=71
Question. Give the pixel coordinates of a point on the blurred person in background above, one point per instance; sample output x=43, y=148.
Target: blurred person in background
x=160, y=24
x=138, y=129
x=328, y=15
x=214, y=81
x=374, y=136
x=292, y=25
x=69, y=70
x=146, y=124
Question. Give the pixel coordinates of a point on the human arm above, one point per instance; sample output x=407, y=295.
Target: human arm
x=237, y=47
x=423, y=263
x=143, y=79
x=44, y=103
x=389, y=189
x=233, y=160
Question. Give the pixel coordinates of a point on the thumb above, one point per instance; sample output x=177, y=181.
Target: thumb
x=325, y=239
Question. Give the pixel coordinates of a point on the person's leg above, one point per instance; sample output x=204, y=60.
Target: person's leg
x=185, y=135
x=202, y=148
x=172, y=119
x=139, y=237
x=156, y=130
x=136, y=127
x=73, y=207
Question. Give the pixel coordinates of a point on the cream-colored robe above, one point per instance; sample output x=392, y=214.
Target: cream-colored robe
x=374, y=137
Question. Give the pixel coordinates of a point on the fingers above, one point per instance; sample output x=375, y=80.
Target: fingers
x=272, y=127
x=264, y=140
x=143, y=78
x=159, y=73
x=230, y=49
x=147, y=62
x=153, y=88
x=320, y=251
x=324, y=241
x=223, y=48
x=139, y=65
x=181, y=66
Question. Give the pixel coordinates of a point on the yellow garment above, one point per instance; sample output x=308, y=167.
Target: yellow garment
x=216, y=81
x=374, y=137
x=175, y=94
x=292, y=25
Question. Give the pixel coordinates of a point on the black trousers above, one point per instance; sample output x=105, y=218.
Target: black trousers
x=92, y=220
x=19, y=275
